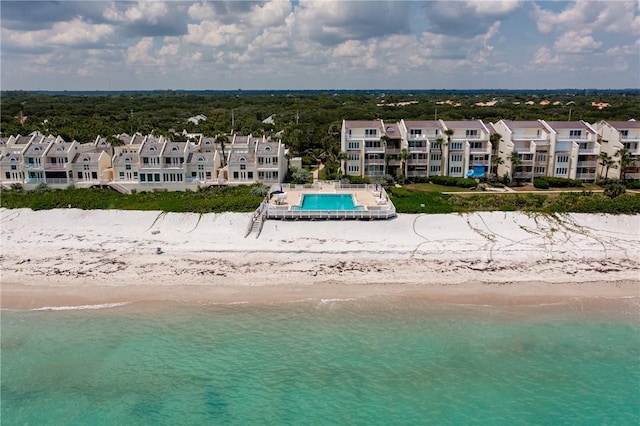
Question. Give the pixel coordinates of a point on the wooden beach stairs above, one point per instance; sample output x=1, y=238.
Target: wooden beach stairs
x=257, y=220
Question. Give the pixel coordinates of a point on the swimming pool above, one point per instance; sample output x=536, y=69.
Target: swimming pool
x=327, y=202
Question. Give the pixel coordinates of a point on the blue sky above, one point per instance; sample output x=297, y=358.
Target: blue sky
x=319, y=44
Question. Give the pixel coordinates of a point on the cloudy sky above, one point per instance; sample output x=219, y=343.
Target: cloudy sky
x=319, y=44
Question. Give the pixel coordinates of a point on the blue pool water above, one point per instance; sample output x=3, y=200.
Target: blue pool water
x=327, y=202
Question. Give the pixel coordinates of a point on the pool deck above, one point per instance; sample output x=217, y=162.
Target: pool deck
x=372, y=197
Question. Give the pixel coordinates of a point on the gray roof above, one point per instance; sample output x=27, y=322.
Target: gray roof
x=568, y=125
x=59, y=149
x=235, y=157
x=624, y=125
x=179, y=152
x=262, y=148
x=16, y=156
x=363, y=124
x=120, y=159
x=523, y=124
x=195, y=156
x=423, y=124
x=92, y=156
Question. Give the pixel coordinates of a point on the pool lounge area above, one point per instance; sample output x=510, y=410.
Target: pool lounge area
x=329, y=200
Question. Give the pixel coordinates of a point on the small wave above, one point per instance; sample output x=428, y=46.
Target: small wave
x=81, y=307
x=325, y=301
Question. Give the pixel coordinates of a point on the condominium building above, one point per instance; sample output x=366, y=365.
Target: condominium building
x=140, y=162
x=616, y=135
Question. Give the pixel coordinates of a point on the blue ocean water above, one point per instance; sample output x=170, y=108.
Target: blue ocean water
x=363, y=362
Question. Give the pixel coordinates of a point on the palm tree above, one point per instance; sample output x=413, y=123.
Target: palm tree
x=222, y=140
x=449, y=133
x=440, y=143
x=494, y=138
x=404, y=158
x=516, y=162
x=342, y=157
x=624, y=160
x=496, y=161
x=607, y=162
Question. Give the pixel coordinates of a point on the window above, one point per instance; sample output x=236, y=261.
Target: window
x=85, y=160
x=242, y=159
x=152, y=149
x=414, y=132
x=235, y=175
x=208, y=175
x=456, y=146
x=352, y=168
x=14, y=167
x=143, y=177
x=354, y=157
x=157, y=177
x=353, y=145
x=456, y=158
x=36, y=149
x=79, y=175
x=416, y=144
x=135, y=174
x=267, y=148
x=372, y=144
x=121, y=175
x=475, y=145
x=243, y=167
x=200, y=159
x=455, y=170
x=94, y=175
x=541, y=157
x=174, y=149
x=561, y=171
x=7, y=175
x=434, y=169
x=624, y=134
x=370, y=132
x=250, y=175
x=563, y=159
x=127, y=166
x=436, y=157
x=145, y=160
x=471, y=133
x=59, y=149
x=575, y=133
x=540, y=169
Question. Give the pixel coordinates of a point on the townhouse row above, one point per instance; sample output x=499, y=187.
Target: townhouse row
x=140, y=162
x=472, y=148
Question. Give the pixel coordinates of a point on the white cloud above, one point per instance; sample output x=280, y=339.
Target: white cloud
x=609, y=16
x=576, y=42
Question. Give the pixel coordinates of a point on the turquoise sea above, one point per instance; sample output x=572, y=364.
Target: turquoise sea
x=357, y=362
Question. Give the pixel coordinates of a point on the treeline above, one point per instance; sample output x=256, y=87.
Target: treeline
x=310, y=122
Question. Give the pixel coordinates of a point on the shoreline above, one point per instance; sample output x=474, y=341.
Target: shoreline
x=68, y=256
x=521, y=294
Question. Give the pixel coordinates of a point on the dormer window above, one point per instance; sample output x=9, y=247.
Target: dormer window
x=174, y=149
x=85, y=159
x=267, y=148
x=59, y=149
x=152, y=149
x=242, y=159
x=36, y=149
x=390, y=130
x=127, y=160
x=200, y=159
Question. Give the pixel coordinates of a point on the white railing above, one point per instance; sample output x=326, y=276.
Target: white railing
x=282, y=213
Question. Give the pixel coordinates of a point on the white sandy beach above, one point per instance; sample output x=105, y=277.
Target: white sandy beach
x=69, y=256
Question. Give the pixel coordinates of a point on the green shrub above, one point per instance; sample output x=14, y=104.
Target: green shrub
x=453, y=181
x=556, y=182
x=541, y=184
x=355, y=179
x=614, y=190
x=633, y=184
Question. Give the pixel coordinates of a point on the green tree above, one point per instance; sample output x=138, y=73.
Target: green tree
x=404, y=158
x=496, y=161
x=607, y=162
x=516, y=162
x=624, y=160
x=449, y=133
x=222, y=140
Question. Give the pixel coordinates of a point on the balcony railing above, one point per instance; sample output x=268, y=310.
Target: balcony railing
x=55, y=166
x=586, y=176
x=589, y=163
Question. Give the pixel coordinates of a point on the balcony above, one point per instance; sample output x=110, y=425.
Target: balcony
x=374, y=161
x=418, y=149
x=55, y=166
x=481, y=150
x=392, y=151
x=589, y=148
x=588, y=163
x=586, y=176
